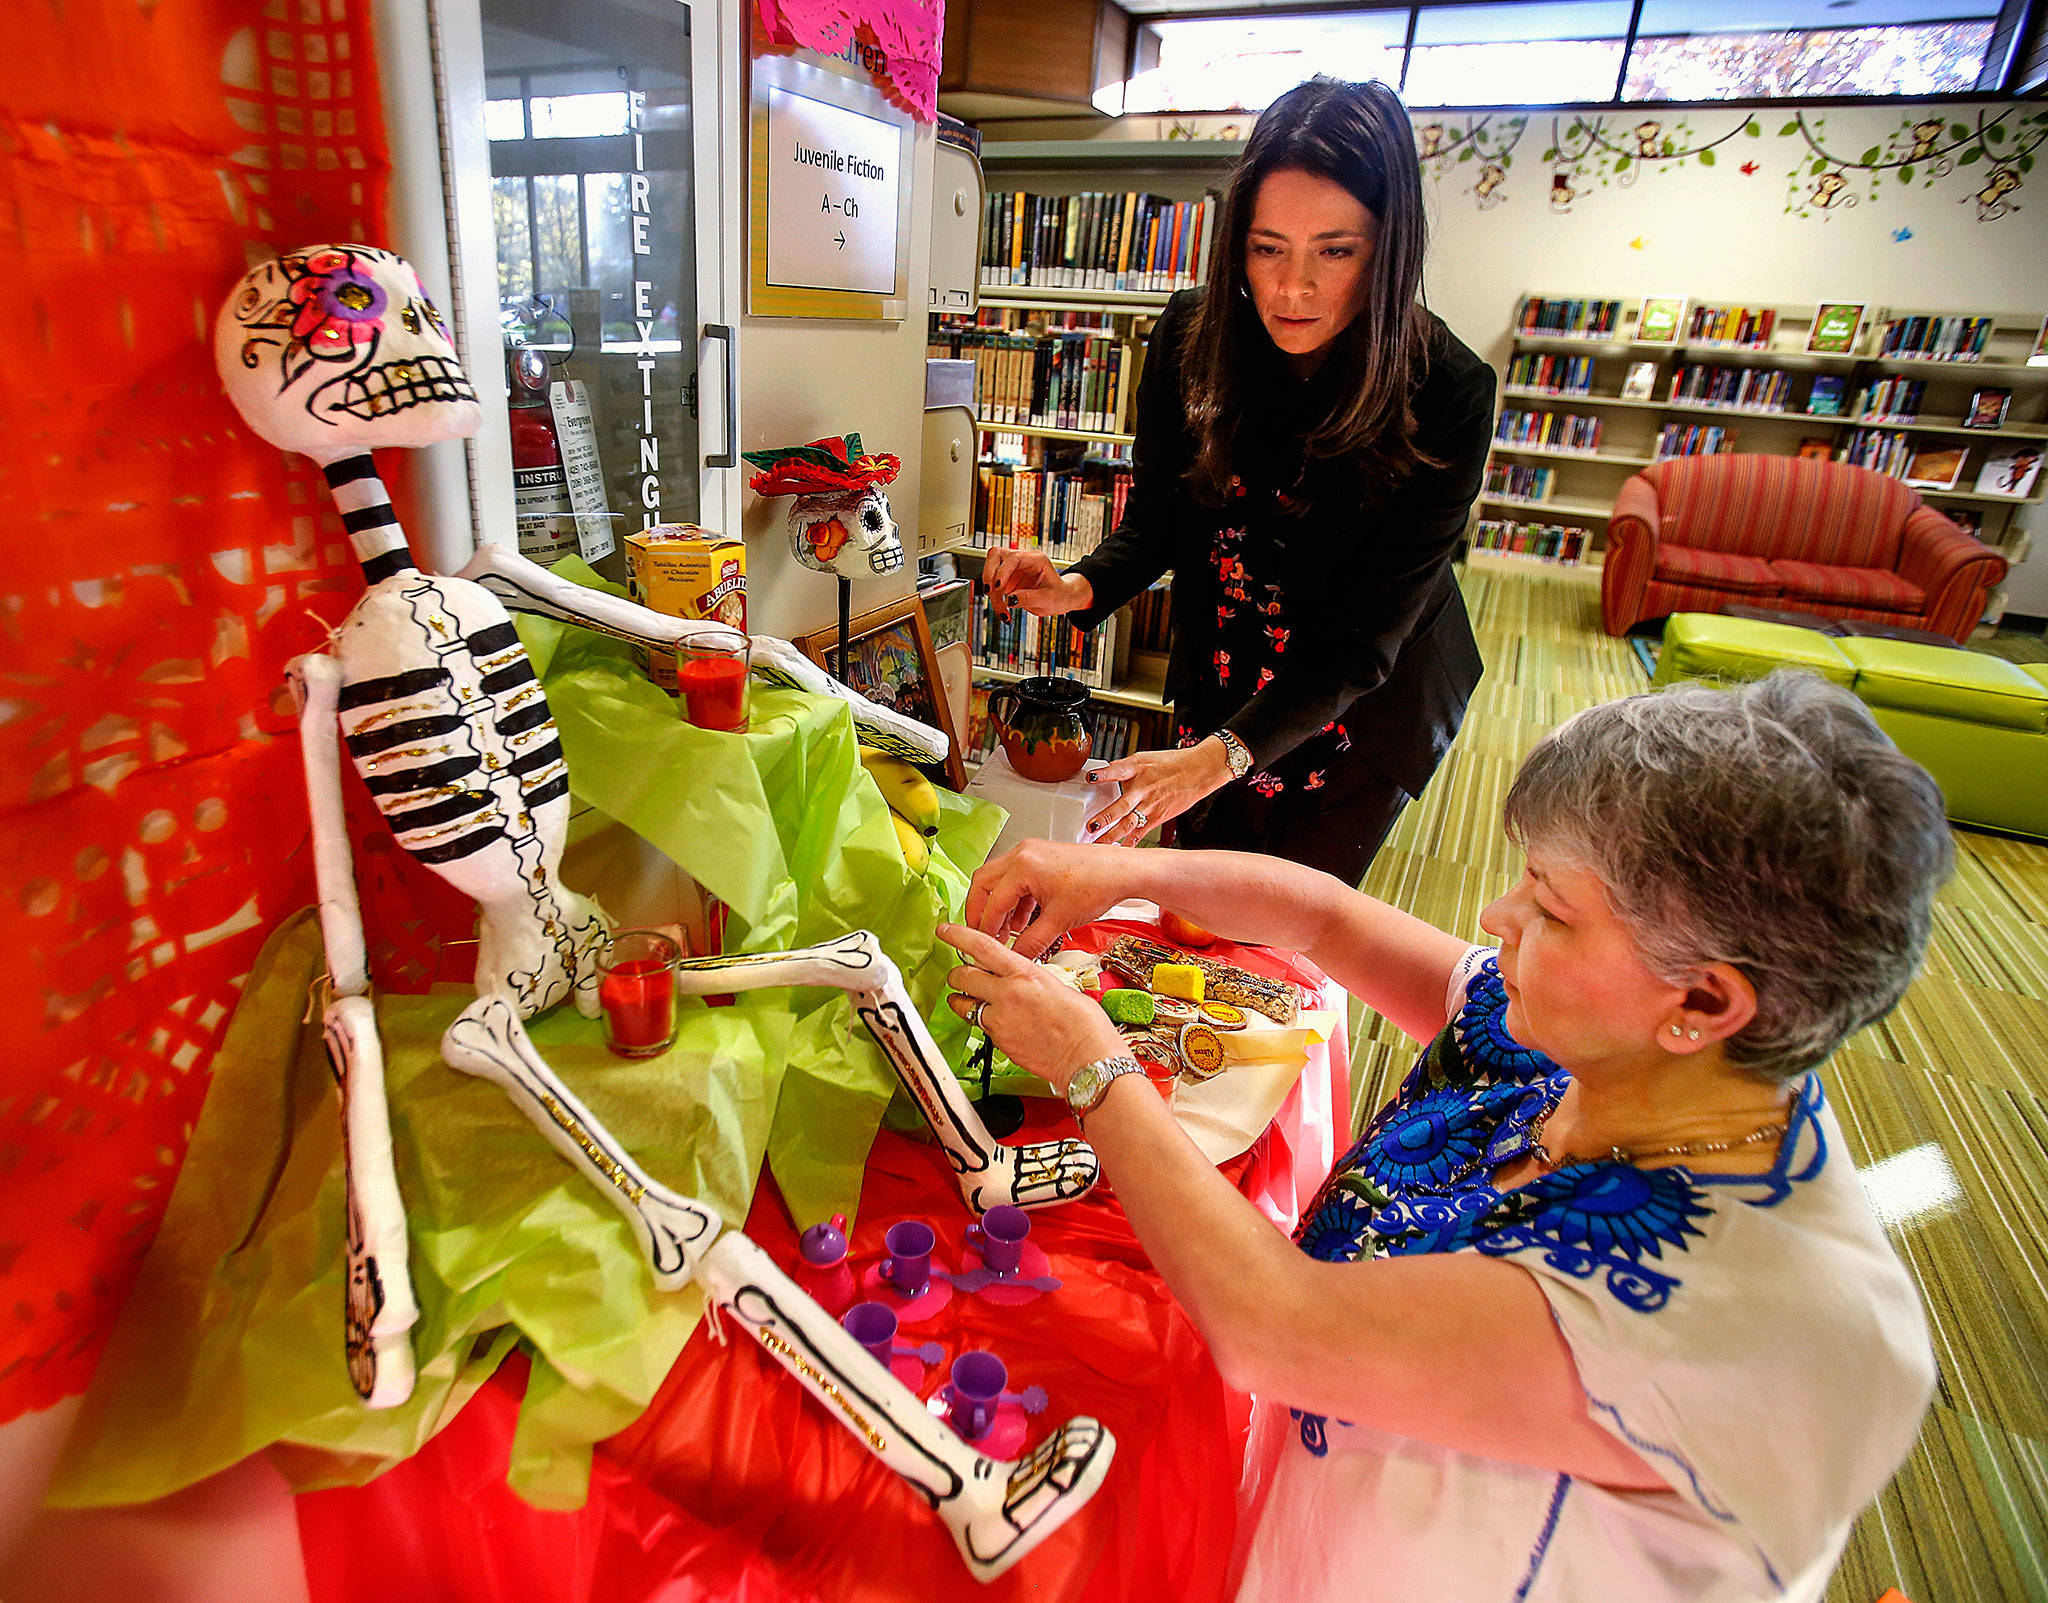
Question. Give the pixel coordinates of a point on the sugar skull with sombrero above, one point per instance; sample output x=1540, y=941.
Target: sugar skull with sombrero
x=839, y=522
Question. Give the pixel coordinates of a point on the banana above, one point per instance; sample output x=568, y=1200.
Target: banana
x=917, y=851
x=909, y=794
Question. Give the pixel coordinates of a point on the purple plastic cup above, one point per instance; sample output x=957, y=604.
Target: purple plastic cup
x=873, y=1325
x=1000, y=1236
x=909, y=1266
x=975, y=1392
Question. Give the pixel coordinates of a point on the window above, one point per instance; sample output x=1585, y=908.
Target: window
x=1246, y=63
x=1766, y=49
x=1506, y=55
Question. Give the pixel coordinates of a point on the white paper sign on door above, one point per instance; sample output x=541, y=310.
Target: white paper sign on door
x=834, y=183
x=577, y=436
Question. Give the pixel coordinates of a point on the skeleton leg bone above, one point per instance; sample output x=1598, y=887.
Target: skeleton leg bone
x=996, y=1511
x=988, y=1173
x=488, y=1040
x=380, y=1310
x=523, y=585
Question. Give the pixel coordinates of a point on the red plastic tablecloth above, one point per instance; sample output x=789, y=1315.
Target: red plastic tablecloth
x=735, y=1486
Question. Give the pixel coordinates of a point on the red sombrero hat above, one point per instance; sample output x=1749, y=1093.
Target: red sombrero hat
x=829, y=464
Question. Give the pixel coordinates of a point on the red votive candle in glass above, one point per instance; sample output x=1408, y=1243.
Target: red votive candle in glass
x=711, y=677
x=636, y=988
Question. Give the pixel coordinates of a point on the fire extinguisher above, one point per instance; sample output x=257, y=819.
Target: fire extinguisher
x=540, y=484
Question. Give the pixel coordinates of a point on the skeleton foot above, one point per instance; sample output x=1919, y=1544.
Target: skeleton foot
x=996, y=1512
x=1043, y=1491
x=488, y=1040
x=1040, y=1175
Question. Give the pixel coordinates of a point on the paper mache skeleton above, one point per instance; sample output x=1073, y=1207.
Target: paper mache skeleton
x=331, y=351
x=840, y=520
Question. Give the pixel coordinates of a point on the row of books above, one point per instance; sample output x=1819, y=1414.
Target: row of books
x=1116, y=731
x=1554, y=542
x=1879, y=449
x=1564, y=375
x=1695, y=439
x=1891, y=398
x=1588, y=319
x=1945, y=339
x=1732, y=325
x=1065, y=513
x=1561, y=431
x=1756, y=389
x=1149, y=619
x=1099, y=240
x=1068, y=379
x=1521, y=481
x=1024, y=644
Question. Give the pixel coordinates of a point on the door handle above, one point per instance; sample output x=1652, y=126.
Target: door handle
x=730, y=456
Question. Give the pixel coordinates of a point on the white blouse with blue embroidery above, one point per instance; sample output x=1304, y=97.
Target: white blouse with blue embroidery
x=1753, y=1337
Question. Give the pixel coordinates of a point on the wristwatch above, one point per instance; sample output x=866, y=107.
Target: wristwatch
x=1236, y=753
x=1090, y=1085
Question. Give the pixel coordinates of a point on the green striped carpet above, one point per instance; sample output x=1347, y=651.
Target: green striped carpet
x=1954, y=1085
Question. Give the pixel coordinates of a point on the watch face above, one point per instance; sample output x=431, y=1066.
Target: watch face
x=1085, y=1085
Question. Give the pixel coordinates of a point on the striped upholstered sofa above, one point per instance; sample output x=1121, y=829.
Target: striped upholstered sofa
x=1699, y=533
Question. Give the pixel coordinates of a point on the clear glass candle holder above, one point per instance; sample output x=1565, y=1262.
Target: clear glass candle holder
x=637, y=992
x=711, y=678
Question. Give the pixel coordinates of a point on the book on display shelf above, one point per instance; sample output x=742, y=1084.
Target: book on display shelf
x=1660, y=319
x=1836, y=325
x=1747, y=326
x=1753, y=389
x=1695, y=439
x=1935, y=339
x=1826, y=396
x=1890, y=400
x=1817, y=448
x=2040, y=355
x=1936, y=469
x=1561, y=543
x=1641, y=382
x=2011, y=472
x=1987, y=409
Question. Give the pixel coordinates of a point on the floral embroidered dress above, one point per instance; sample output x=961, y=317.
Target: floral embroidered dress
x=1753, y=1337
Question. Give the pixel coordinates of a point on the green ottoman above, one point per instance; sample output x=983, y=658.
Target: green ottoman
x=1705, y=645
x=1977, y=723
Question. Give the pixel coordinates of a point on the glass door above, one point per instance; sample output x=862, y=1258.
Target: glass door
x=588, y=113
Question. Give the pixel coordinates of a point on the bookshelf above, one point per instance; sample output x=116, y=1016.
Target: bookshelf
x=1572, y=357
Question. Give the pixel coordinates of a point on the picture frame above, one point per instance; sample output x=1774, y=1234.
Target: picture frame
x=1987, y=409
x=2040, y=356
x=1660, y=320
x=890, y=660
x=1837, y=326
x=1936, y=469
x=1641, y=382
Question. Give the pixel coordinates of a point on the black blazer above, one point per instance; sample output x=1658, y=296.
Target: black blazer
x=1379, y=634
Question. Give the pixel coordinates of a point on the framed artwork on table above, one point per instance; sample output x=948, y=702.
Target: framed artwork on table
x=1836, y=326
x=890, y=660
x=1662, y=317
x=1936, y=470
x=1987, y=409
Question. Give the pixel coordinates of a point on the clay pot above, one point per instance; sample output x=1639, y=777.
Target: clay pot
x=1043, y=723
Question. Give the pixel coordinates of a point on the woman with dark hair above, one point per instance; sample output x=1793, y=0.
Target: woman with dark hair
x=1309, y=442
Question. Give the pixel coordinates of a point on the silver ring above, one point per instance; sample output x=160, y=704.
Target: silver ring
x=1139, y=814
x=974, y=1013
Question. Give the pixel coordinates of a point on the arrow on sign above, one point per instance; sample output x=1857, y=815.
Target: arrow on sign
x=840, y=239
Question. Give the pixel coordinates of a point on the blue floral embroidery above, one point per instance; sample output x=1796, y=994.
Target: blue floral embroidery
x=1482, y=1033
x=1336, y=1227
x=1433, y=1140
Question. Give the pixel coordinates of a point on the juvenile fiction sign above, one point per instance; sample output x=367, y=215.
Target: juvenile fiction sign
x=835, y=181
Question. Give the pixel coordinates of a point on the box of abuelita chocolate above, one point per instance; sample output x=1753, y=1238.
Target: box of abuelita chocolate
x=683, y=571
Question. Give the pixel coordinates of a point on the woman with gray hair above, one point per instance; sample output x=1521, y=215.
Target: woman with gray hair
x=1595, y=1309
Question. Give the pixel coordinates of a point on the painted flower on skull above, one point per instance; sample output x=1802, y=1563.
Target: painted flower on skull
x=336, y=306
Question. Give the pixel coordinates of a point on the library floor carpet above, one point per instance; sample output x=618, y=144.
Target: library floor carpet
x=1944, y=1104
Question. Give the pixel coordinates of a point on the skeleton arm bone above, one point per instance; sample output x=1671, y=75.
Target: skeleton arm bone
x=523, y=585
x=380, y=1307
